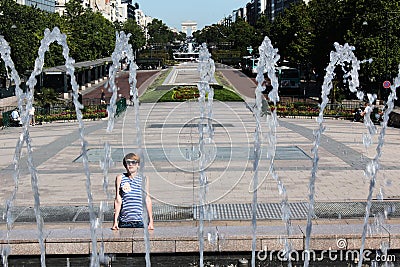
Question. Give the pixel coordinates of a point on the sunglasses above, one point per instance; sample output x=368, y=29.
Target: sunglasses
x=131, y=162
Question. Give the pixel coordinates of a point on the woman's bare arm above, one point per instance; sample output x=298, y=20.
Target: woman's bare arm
x=117, y=202
x=149, y=205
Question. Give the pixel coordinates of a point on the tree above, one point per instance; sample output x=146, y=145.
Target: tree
x=329, y=26
x=241, y=34
x=212, y=35
x=293, y=34
x=263, y=28
x=137, y=39
x=73, y=10
x=159, y=32
x=19, y=26
x=374, y=32
x=46, y=97
x=90, y=35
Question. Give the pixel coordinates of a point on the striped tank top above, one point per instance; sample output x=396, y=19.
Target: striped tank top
x=131, y=193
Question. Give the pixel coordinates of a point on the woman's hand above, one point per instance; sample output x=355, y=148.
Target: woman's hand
x=151, y=226
x=115, y=226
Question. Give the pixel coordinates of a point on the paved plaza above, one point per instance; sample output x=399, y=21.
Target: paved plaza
x=170, y=140
x=170, y=137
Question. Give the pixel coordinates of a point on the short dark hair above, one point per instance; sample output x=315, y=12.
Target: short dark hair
x=131, y=156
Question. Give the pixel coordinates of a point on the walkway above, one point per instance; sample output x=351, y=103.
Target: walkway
x=242, y=83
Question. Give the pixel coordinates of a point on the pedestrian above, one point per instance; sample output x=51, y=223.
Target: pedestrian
x=15, y=118
x=128, y=205
x=102, y=97
x=32, y=115
x=131, y=97
x=80, y=98
x=266, y=85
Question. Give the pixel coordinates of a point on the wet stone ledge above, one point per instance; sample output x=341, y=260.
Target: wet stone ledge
x=182, y=239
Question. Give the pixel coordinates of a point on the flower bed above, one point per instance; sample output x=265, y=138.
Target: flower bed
x=310, y=111
x=184, y=93
x=71, y=115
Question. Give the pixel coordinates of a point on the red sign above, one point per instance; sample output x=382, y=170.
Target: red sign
x=386, y=84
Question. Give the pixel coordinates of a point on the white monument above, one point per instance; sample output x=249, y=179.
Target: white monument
x=192, y=25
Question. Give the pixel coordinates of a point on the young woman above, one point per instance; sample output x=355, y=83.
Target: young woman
x=128, y=204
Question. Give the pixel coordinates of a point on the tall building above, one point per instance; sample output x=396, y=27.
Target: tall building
x=127, y=10
x=239, y=13
x=269, y=8
x=254, y=10
x=46, y=5
x=142, y=20
x=276, y=7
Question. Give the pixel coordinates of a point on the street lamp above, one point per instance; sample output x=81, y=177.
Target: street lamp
x=250, y=49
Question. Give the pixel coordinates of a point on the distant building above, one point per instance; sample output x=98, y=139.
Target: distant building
x=46, y=5
x=255, y=9
x=269, y=8
x=113, y=10
x=276, y=7
x=127, y=10
x=239, y=13
x=142, y=20
x=189, y=27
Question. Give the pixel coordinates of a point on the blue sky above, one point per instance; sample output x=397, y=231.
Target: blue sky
x=204, y=12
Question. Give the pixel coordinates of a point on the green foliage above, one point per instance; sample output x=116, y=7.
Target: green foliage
x=159, y=32
x=89, y=35
x=137, y=39
x=292, y=33
x=46, y=97
x=18, y=25
x=226, y=95
x=184, y=93
x=305, y=35
x=212, y=35
x=235, y=37
x=374, y=23
x=240, y=34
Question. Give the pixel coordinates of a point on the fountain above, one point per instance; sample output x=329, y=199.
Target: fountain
x=342, y=55
x=206, y=68
x=49, y=38
x=122, y=50
x=268, y=58
x=187, y=52
x=267, y=62
x=5, y=53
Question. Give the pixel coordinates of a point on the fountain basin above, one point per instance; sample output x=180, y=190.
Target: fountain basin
x=182, y=237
